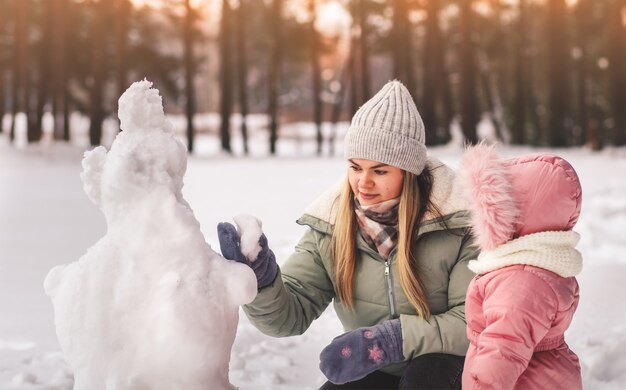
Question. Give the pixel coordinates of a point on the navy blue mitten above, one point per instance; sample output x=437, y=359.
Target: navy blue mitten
x=355, y=354
x=264, y=264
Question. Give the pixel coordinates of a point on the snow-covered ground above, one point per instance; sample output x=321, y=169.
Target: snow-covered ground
x=46, y=219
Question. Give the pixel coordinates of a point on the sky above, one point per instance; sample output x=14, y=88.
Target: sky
x=46, y=219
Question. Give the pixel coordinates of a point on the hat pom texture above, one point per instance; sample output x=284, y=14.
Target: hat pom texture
x=488, y=188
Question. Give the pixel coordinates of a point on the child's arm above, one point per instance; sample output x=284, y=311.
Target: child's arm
x=519, y=307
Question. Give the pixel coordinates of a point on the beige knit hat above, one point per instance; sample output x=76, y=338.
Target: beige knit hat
x=388, y=129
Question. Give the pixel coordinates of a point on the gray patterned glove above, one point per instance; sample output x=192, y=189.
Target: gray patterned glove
x=264, y=265
x=355, y=354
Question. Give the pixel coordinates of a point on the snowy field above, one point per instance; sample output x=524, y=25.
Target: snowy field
x=46, y=220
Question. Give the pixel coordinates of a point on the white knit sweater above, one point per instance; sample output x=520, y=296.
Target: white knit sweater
x=554, y=251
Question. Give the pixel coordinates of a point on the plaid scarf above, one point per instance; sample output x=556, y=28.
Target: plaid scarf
x=378, y=224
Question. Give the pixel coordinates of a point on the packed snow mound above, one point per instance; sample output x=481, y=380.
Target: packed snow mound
x=150, y=305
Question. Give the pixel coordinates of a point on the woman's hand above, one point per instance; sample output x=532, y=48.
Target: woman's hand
x=355, y=354
x=248, y=245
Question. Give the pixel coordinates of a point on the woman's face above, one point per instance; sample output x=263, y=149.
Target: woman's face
x=374, y=182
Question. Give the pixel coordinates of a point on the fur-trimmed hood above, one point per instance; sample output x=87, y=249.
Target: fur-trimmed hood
x=519, y=196
x=447, y=195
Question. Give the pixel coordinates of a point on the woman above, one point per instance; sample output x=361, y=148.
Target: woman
x=389, y=246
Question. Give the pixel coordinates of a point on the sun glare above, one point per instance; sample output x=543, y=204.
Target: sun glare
x=159, y=3
x=332, y=18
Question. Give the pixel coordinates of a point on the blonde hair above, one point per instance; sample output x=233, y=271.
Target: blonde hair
x=414, y=201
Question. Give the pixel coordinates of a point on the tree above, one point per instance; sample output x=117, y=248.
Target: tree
x=98, y=45
x=226, y=75
x=469, y=101
x=242, y=70
x=556, y=133
x=3, y=5
x=402, y=45
x=436, y=91
x=521, y=81
x=344, y=80
x=154, y=31
x=617, y=73
x=364, y=50
x=20, y=88
x=492, y=55
x=190, y=104
x=353, y=70
x=43, y=90
x=583, y=28
x=59, y=89
x=317, y=77
x=275, y=20
x=123, y=11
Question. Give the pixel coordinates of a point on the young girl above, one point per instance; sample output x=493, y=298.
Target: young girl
x=389, y=247
x=525, y=294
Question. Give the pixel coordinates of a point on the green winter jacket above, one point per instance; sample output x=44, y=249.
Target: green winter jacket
x=304, y=287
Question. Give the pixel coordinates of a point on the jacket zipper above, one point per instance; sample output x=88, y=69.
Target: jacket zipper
x=388, y=280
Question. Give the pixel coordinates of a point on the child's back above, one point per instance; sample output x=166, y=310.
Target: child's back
x=523, y=299
x=528, y=309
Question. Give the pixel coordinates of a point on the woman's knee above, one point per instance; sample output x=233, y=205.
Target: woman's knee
x=433, y=371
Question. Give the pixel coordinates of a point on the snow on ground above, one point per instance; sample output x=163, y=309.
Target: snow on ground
x=46, y=219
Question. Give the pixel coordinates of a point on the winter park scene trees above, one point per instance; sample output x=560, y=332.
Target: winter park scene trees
x=111, y=187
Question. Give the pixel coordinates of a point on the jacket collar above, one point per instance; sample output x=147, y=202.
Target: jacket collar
x=446, y=195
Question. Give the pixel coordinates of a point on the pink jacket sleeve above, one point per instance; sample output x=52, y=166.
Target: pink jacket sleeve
x=519, y=308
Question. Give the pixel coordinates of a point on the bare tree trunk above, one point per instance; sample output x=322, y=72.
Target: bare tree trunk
x=492, y=93
x=2, y=98
x=20, y=64
x=124, y=9
x=242, y=71
x=353, y=66
x=317, y=78
x=402, y=48
x=587, y=136
x=448, y=108
x=275, y=67
x=398, y=31
x=411, y=81
x=60, y=109
x=3, y=92
x=519, y=108
x=557, y=73
x=43, y=89
x=96, y=110
x=535, y=37
x=364, y=58
x=431, y=90
x=469, y=101
x=617, y=75
x=226, y=76
x=344, y=80
x=190, y=104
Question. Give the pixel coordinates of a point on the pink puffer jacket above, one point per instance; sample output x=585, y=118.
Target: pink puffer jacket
x=516, y=317
x=523, y=299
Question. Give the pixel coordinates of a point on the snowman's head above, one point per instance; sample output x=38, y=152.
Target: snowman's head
x=145, y=157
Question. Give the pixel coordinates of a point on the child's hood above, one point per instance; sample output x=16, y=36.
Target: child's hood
x=519, y=196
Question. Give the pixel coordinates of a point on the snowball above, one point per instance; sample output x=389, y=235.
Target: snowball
x=150, y=305
x=249, y=228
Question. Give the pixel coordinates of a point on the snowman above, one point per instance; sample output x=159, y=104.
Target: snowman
x=150, y=305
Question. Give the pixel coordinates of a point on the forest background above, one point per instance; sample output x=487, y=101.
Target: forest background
x=543, y=72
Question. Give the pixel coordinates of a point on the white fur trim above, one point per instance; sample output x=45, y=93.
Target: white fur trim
x=554, y=251
x=446, y=194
